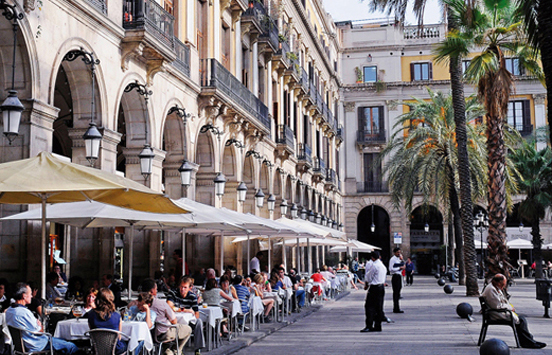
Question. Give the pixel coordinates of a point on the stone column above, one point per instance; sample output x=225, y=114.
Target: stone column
x=255, y=68
x=238, y=50
x=540, y=115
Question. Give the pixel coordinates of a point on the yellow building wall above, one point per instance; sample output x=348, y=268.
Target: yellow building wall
x=440, y=71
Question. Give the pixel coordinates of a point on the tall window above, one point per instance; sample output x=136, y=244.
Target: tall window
x=421, y=71
x=372, y=173
x=370, y=120
x=519, y=115
x=513, y=66
x=370, y=74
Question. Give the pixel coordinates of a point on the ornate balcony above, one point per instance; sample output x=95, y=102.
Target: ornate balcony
x=218, y=81
x=149, y=34
x=319, y=169
x=269, y=34
x=371, y=137
x=304, y=156
x=285, y=140
x=182, y=61
x=280, y=58
x=372, y=186
x=331, y=180
x=254, y=16
x=305, y=84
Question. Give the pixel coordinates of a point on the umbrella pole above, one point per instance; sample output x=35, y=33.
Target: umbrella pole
x=323, y=254
x=221, y=253
x=284, y=258
x=309, y=255
x=269, y=255
x=298, y=251
x=43, y=250
x=130, y=261
x=183, y=251
x=249, y=254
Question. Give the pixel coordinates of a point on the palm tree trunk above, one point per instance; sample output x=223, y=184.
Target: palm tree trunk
x=544, y=17
x=537, y=247
x=466, y=211
x=497, y=259
x=455, y=207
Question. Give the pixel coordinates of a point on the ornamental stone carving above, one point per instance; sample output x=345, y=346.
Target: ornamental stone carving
x=349, y=106
x=539, y=99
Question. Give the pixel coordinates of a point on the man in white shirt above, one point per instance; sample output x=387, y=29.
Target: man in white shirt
x=396, y=266
x=374, y=283
x=255, y=264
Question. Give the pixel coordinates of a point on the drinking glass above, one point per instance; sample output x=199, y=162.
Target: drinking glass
x=78, y=312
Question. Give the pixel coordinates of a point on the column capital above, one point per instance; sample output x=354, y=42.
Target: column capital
x=539, y=99
x=349, y=106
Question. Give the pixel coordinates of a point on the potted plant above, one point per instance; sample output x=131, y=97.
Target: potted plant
x=292, y=56
x=380, y=86
x=358, y=74
x=282, y=38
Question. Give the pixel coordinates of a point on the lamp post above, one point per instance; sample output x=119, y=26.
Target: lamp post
x=426, y=228
x=304, y=213
x=220, y=183
x=373, y=226
x=146, y=155
x=324, y=221
x=318, y=218
x=259, y=198
x=92, y=137
x=294, y=211
x=481, y=222
x=242, y=191
x=185, y=171
x=284, y=208
x=11, y=107
x=271, y=202
x=311, y=216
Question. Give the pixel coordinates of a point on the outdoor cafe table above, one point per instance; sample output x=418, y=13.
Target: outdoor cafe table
x=4, y=327
x=256, y=308
x=72, y=329
x=234, y=307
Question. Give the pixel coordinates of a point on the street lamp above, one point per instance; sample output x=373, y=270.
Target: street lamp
x=220, y=183
x=520, y=227
x=259, y=198
x=426, y=228
x=242, y=191
x=334, y=225
x=11, y=108
x=294, y=211
x=284, y=208
x=324, y=221
x=373, y=226
x=271, y=202
x=481, y=222
x=318, y=218
x=311, y=216
x=341, y=227
x=185, y=171
x=146, y=160
x=304, y=213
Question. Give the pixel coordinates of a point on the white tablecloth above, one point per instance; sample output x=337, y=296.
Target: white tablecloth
x=72, y=329
x=234, y=307
x=256, y=305
x=210, y=315
x=4, y=327
x=184, y=318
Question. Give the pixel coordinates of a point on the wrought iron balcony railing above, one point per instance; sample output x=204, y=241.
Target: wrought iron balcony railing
x=182, y=61
x=319, y=167
x=285, y=136
x=371, y=137
x=101, y=5
x=304, y=153
x=305, y=80
x=372, y=186
x=331, y=176
x=151, y=17
x=215, y=75
x=269, y=32
x=255, y=14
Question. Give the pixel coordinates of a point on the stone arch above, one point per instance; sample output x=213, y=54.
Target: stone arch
x=205, y=158
x=264, y=184
x=380, y=237
x=288, y=189
x=248, y=177
x=425, y=246
x=229, y=169
x=175, y=144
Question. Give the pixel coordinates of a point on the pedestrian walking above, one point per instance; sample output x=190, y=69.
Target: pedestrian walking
x=396, y=265
x=375, y=284
x=409, y=269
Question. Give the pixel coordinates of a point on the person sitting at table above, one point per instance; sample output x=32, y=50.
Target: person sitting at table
x=62, y=277
x=75, y=289
x=260, y=289
x=165, y=315
x=161, y=282
x=297, y=285
x=496, y=299
x=4, y=298
x=90, y=300
x=51, y=282
x=108, y=282
x=214, y=295
x=242, y=293
x=299, y=293
x=18, y=316
x=187, y=301
x=226, y=288
x=318, y=280
x=104, y=316
x=36, y=302
x=141, y=312
x=275, y=281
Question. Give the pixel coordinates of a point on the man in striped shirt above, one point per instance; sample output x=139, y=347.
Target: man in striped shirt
x=187, y=301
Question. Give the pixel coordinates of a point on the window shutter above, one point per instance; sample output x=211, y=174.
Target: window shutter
x=381, y=120
x=361, y=119
x=411, y=71
x=526, y=115
x=430, y=70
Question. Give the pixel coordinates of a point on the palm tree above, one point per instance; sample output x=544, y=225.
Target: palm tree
x=537, y=18
x=534, y=177
x=422, y=155
x=494, y=32
x=398, y=7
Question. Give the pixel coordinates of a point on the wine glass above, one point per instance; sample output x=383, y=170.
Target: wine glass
x=78, y=312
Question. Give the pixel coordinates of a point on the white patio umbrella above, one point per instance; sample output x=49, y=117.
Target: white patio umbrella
x=92, y=214
x=547, y=246
x=354, y=246
x=46, y=179
x=519, y=243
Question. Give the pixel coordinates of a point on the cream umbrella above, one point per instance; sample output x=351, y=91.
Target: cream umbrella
x=354, y=246
x=46, y=179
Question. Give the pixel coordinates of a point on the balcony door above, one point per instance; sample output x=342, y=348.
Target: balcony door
x=370, y=120
x=372, y=173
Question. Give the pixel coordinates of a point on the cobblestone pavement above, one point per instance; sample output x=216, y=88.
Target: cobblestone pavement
x=429, y=325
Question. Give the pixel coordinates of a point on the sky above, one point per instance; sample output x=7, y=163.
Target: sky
x=344, y=10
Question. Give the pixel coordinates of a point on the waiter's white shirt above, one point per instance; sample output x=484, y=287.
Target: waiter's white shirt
x=255, y=265
x=377, y=273
x=392, y=269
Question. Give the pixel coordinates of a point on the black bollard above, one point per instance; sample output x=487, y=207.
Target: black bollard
x=442, y=281
x=494, y=347
x=448, y=289
x=464, y=310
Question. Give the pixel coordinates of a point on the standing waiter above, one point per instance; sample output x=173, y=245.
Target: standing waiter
x=374, y=283
x=396, y=266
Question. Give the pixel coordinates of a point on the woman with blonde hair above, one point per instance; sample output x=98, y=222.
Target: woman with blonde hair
x=260, y=289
